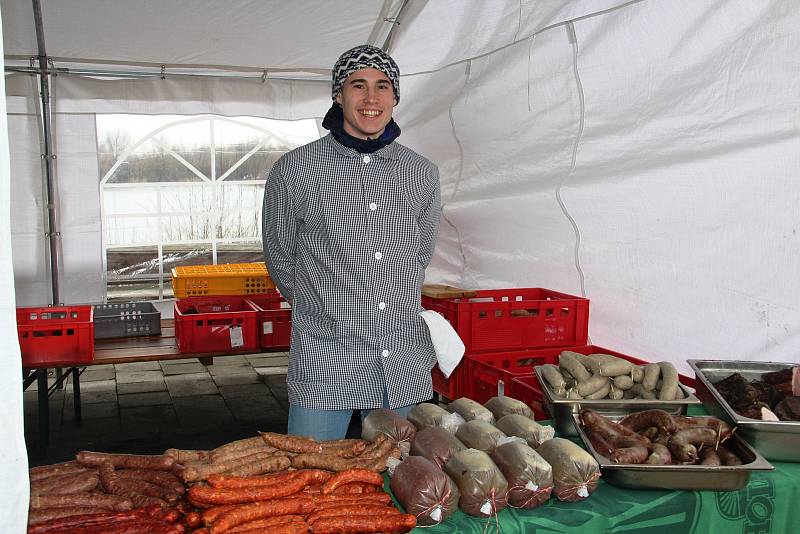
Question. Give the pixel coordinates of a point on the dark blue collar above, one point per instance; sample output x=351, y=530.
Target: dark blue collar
x=334, y=121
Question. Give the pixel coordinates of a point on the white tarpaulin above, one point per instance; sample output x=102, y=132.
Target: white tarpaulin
x=643, y=153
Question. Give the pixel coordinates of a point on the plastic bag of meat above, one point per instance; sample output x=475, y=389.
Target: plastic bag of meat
x=436, y=444
x=469, y=410
x=477, y=434
x=483, y=487
x=426, y=414
x=529, y=476
x=575, y=471
x=424, y=490
x=502, y=406
x=383, y=421
x=525, y=428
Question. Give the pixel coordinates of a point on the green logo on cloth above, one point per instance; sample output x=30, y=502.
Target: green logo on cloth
x=754, y=505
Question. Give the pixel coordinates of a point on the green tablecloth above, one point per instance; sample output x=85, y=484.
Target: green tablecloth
x=770, y=503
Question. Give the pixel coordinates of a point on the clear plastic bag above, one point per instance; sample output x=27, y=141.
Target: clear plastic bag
x=425, y=414
x=575, y=471
x=424, y=490
x=529, y=476
x=469, y=410
x=436, y=444
x=525, y=428
x=502, y=406
x=483, y=487
x=396, y=427
x=478, y=434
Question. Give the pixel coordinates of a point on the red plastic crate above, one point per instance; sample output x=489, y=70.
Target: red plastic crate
x=526, y=387
x=207, y=324
x=452, y=387
x=274, y=319
x=514, y=319
x=485, y=371
x=57, y=336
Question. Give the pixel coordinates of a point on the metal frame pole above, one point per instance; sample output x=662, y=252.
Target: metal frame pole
x=48, y=158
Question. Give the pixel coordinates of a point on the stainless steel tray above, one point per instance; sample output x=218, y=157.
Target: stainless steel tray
x=680, y=477
x=562, y=409
x=775, y=440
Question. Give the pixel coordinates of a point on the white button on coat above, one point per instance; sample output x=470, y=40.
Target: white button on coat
x=367, y=159
x=378, y=255
x=385, y=353
x=382, y=306
x=373, y=206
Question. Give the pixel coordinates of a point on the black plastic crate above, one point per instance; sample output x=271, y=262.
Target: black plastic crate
x=126, y=319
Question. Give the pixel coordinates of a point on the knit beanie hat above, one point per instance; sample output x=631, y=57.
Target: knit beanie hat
x=362, y=57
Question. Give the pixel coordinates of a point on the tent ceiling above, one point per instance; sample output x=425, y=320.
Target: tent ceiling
x=244, y=34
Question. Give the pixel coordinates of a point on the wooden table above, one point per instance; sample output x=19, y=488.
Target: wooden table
x=114, y=351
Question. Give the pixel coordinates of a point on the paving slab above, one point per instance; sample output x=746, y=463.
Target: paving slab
x=202, y=410
x=142, y=387
x=94, y=396
x=127, y=377
x=272, y=370
x=234, y=379
x=193, y=384
x=235, y=391
x=151, y=398
x=138, y=366
x=92, y=411
x=92, y=374
x=170, y=363
x=147, y=417
x=184, y=368
x=236, y=359
x=238, y=368
x=96, y=385
x=269, y=361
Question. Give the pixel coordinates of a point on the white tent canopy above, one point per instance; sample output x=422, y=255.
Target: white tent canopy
x=644, y=153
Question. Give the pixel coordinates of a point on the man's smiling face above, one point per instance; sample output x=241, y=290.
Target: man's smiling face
x=367, y=101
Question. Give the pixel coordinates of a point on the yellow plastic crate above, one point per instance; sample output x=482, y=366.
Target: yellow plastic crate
x=225, y=279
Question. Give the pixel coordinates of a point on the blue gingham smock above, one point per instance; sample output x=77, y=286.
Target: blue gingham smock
x=347, y=238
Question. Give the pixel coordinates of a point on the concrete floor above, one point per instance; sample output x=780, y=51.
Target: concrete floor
x=148, y=407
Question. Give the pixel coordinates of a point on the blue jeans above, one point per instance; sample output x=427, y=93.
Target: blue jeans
x=324, y=425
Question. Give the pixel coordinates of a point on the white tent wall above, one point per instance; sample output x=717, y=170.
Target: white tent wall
x=14, y=490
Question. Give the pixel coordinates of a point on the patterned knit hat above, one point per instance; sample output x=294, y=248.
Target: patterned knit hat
x=362, y=57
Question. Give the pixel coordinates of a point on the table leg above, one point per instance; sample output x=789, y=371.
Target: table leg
x=76, y=393
x=206, y=360
x=59, y=374
x=44, y=410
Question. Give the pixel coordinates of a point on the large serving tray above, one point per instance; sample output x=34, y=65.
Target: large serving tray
x=562, y=409
x=680, y=477
x=775, y=440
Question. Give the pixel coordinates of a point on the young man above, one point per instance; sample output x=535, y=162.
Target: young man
x=350, y=224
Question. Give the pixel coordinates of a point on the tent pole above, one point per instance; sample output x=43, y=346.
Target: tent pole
x=48, y=158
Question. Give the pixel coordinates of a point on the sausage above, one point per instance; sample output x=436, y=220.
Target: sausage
x=227, y=481
x=291, y=443
x=636, y=453
x=594, y=384
x=683, y=444
x=352, y=488
x=365, y=524
x=600, y=444
x=669, y=381
x=727, y=457
x=709, y=457
x=568, y=362
x=114, y=503
x=724, y=430
x=239, y=444
x=46, y=471
x=201, y=470
x=232, y=454
x=322, y=502
x=282, y=528
x=244, y=495
x=159, y=462
x=65, y=484
x=359, y=509
x=659, y=455
x=268, y=522
x=610, y=430
x=554, y=377
x=210, y=515
x=164, y=479
x=187, y=455
x=649, y=418
x=652, y=371
x=72, y=521
x=346, y=448
x=112, y=483
x=193, y=519
x=260, y=510
x=258, y=465
x=352, y=475
x=41, y=515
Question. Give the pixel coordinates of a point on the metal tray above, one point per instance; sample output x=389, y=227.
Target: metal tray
x=562, y=409
x=680, y=477
x=775, y=440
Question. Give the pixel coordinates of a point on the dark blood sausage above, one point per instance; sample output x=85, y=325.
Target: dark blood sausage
x=649, y=418
x=365, y=524
x=628, y=451
x=727, y=457
x=659, y=455
x=158, y=462
x=724, y=430
x=594, y=422
x=600, y=444
x=684, y=444
x=709, y=456
x=352, y=475
x=114, y=503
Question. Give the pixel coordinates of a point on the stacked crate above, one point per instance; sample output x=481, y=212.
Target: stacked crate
x=228, y=307
x=505, y=332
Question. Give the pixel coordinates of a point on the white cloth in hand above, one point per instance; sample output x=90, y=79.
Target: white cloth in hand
x=448, y=346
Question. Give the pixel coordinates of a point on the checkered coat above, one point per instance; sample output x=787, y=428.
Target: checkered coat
x=347, y=238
